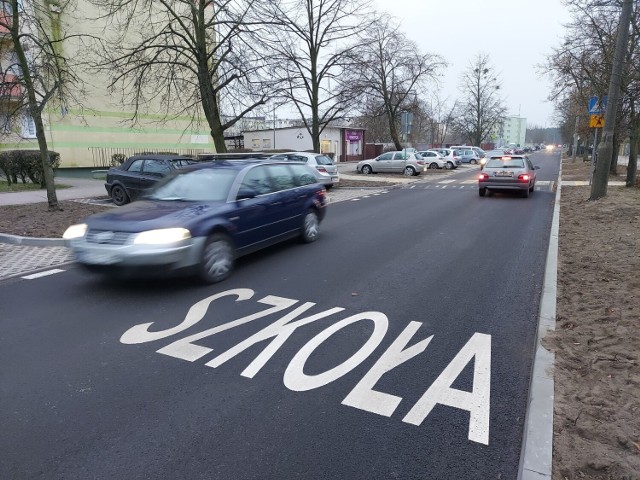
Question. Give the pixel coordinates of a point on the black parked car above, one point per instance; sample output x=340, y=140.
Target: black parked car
x=139, y=172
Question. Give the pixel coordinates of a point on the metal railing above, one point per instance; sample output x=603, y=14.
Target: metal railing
x=103, y=156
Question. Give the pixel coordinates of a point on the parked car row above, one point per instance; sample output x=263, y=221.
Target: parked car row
x=412, y=162
x=140, y=172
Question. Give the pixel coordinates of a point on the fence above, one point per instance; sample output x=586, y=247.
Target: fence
x=102, y=156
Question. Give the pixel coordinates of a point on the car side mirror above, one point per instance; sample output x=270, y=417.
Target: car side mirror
x=245, y=193
x=537, y=167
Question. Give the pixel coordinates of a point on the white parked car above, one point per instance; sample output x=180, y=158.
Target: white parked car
x=433, y=159
x=450, y=156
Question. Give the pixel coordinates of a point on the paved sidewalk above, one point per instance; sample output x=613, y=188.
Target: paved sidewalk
x=78, y=188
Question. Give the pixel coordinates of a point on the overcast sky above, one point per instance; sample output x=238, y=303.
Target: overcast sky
x=517, y=35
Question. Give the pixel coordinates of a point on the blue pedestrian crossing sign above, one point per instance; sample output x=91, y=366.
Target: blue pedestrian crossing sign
x=597, y=105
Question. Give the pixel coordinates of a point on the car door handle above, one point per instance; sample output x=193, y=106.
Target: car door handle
x=275, y=203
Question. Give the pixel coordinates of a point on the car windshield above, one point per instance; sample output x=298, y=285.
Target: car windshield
x=206, y=185
x=503, y=163
x=323, y=160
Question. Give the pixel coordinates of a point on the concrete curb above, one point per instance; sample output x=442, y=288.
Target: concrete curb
x=536, y=459
x=31, y=241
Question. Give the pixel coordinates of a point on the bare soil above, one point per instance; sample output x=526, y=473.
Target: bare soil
x=597, y=336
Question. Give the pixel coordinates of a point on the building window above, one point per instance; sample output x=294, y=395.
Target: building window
x=5, y=123
x=255, y=143
x=266, y=143
x=29, y=127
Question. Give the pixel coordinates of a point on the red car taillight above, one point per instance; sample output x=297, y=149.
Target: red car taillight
x=524, y=177
x=322, y=169
x=420, y=162
x=483, y=176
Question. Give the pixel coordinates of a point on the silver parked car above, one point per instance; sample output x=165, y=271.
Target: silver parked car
x=408, y=163
x=508, y=172
x=450, y=156
x=327, y=172
x=433, y=159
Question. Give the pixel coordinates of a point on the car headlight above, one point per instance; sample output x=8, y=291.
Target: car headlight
x=75, y=231
x=162, y=236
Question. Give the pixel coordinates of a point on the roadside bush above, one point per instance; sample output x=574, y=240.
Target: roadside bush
x=26, y=165
x=118, y=159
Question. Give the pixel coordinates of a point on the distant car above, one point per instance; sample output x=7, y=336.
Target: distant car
x=433, y=159
x=140, y=172
x=408, y=163
x=450, y=156
x=328, y=174
x=201, y=218
x=508, y=172
x=468, y=155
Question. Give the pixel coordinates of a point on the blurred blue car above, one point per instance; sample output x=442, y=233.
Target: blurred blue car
x=201, y=218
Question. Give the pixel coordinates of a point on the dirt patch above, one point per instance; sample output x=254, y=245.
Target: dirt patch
x=597, y=337
x=34, y=219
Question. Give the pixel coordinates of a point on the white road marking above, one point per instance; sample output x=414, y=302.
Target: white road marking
x=476, y=402
x=42, y=274
x=294, y=377
x=446, y=181
x=469, y=182
x=362, y=396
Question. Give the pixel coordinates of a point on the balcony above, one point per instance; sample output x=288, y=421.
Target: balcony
x=10, y=88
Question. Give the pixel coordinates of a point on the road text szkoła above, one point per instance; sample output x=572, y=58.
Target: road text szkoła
x=363, y=396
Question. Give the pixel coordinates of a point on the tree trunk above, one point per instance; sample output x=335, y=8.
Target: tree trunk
x=632, y=166
x=34, y=111
x=613, y=167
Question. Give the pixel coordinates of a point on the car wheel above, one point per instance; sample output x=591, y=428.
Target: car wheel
x=473, y=161
x=367, y=170
x=310, y=227
x=409, y=171
x=532, y=188
x=525, y=193
x=119, y=195
x=329, y=187
x=482, y=192
x=433, y=166
x=217, y=258
x=448, y=166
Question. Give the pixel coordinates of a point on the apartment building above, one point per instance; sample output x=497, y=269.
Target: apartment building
x=514, y=130
x=87, y=134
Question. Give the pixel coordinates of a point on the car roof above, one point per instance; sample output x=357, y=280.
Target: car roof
x=500, y=157
x=160, y=156
x=238, y=164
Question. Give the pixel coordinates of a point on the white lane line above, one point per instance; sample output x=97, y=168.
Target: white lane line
x=43, y=274
x=355, y=199
x=544, y=182
x=469, y=182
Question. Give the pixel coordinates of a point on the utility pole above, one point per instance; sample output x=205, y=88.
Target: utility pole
x=605, y=149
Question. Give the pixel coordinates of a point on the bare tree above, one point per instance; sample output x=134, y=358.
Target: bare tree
x=581, y=67
x=390, y=70
x=39, y=75
x=312, y=46
x=441, y=115
x=187, y=56
x=481, y=108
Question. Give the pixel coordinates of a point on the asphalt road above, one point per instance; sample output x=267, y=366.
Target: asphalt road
x=397, y=346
